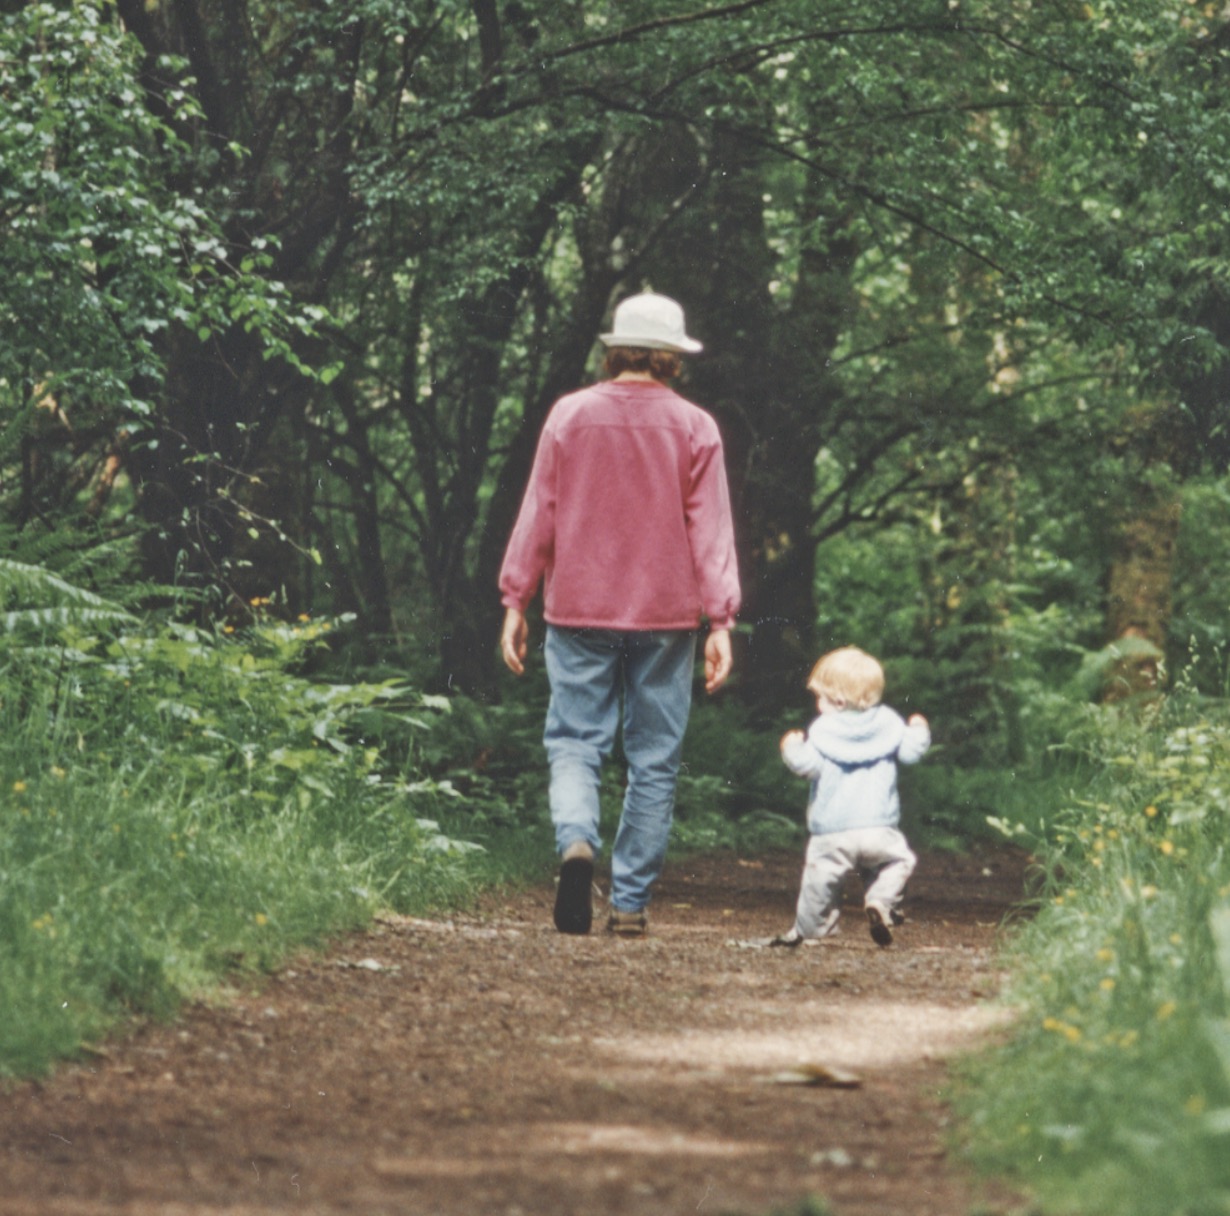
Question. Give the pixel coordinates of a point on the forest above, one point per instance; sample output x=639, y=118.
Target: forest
x=287, y=289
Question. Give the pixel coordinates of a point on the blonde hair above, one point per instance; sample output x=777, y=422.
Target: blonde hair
x=848, y=675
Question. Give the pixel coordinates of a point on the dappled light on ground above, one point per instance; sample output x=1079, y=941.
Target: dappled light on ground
x=485, y=1063
x=868, y=1036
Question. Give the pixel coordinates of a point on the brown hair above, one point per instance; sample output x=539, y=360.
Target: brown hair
x=848, y=675
x=660, y=364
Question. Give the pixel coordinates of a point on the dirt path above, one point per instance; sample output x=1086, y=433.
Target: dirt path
x=488, y=1065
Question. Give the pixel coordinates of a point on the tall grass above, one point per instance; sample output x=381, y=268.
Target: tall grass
x=1113, y=1095
x=177, y=805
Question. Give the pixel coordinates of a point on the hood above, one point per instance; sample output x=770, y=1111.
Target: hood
x=857, y=736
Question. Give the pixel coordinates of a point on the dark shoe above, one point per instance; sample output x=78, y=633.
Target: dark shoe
x=574, y=896
x=896, y=916
x=627, y=924
x=881, y=934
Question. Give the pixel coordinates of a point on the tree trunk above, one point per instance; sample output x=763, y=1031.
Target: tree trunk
x=764, y=377
x=1138, y=602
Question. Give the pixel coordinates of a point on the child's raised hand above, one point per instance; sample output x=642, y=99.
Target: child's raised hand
x=919, y=720
x=792, y=738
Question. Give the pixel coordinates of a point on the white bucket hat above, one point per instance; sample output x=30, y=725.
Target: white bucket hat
x=651, y=321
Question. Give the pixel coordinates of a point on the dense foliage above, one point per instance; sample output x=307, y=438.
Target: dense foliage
x=178, y=804
x=1114, y=1093
x=944, y=257
x=286, y=290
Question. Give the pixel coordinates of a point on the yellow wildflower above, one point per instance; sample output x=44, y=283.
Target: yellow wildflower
x=1166, y=1011
x=1069, y=1032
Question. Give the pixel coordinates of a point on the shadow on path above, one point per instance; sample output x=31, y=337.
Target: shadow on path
x=488, y=1065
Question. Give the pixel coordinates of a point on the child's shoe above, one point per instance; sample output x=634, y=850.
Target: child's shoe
x=878, y=921
x=789, y=939
x=574, y=896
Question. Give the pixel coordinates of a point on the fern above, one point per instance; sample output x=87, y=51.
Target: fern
x=34, y=597
x=16, y=425
x=85, y=557
x=59, y=618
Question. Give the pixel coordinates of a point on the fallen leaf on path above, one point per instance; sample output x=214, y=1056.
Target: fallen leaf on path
x=366, y=964
x=816, y=1074
x=833, y=1156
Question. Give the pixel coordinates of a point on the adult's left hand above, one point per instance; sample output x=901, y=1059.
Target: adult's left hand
x=514, y=641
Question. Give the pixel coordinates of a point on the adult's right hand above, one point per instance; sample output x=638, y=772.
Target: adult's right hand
x=718, y=659
x=514, y=640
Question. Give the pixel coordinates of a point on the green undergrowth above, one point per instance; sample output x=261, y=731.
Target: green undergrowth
x=181, y=807
x=735, y=792
x=1113, y=1093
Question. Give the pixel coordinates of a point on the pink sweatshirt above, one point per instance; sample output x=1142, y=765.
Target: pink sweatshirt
x=626, y=515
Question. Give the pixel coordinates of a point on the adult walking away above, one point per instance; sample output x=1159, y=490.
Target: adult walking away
x=626, y=520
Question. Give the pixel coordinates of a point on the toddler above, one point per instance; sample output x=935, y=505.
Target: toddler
x=850, y=753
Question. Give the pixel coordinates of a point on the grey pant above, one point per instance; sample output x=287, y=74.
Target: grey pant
x=881, y=854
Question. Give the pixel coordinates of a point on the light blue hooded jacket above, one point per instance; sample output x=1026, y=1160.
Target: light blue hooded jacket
x=851, y=758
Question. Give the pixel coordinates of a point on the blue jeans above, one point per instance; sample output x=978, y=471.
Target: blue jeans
x=588, y=669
